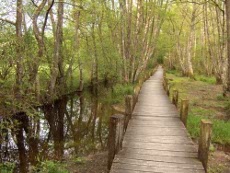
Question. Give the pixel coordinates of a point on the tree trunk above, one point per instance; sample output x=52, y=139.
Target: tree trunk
x=19, y=66
x=57, y=72
x=189, y=67
x=227, y=90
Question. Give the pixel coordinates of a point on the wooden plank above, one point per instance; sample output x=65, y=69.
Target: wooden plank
x=157, y=139
x=144, y=114
x=151, y=160
x=161, y=147
x=184, y=154
x=157, y=168
x=171, y=119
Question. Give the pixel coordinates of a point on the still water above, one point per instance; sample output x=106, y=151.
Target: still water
x=73, y=126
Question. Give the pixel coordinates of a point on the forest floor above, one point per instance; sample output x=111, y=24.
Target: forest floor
x=206, y=102
x=93, y=163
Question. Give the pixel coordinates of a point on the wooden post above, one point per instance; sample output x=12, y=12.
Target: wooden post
x=134, y=99
x=136, y=92
x=168, y=89
x=204, y=142
x=184, y=111
x=128, y=109
x=165, y=84
x=175, y=97
x=116, y=132
x=140, y=83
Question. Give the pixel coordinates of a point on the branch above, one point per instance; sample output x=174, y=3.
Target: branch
x=46, y=17
x=34, y=3
x=8, y=21
x=201, y=3
x=217, y=5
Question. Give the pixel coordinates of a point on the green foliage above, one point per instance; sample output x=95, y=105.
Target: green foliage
x=7, y=167
x=216, y=168
x=79, y=160
x=203, y=105
x=118, y=93
x=120, y=89
x=210, y=80
x=193, y=125
x=52, y=167
x=220, y=134
x=221, y=131
x=220, y=97
x=174, y=72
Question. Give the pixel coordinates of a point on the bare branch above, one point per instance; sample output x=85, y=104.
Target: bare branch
x=213, y=2
x=46, y=17
x=217, y=5
x=34, y=3
x=8, y=21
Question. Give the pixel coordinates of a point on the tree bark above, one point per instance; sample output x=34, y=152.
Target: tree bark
x=227, y=90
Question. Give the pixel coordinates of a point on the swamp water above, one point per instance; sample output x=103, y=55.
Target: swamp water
x=73, y=126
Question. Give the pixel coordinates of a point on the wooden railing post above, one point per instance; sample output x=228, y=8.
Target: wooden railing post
x=140, y=82
x=116, y=132
x=128, y=109
x=204, y=142
x=136, y=92
x=165, y=83
x=133, y=101
x=175, y=97
x=184, y=111
x=168, y=89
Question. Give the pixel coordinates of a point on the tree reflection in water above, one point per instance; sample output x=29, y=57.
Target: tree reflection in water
x=74, y=125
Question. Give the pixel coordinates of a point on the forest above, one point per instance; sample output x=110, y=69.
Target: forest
x=66, y=65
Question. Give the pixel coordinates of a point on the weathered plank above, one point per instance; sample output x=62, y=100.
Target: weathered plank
x=156, y=168
x=146, y=160
x=132, y=151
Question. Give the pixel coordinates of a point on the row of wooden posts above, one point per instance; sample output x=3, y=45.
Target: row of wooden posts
x=119, y=122
x=205, y=126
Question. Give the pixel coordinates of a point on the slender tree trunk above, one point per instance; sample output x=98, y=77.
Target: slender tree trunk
x=57, y=71
x=19, y=66
x=189, y=69
x=227, y=90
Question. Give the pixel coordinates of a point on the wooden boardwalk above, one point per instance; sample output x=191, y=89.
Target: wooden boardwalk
x=156, y=139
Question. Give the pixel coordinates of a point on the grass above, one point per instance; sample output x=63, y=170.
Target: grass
x=221, y=129
x=206, y=102
x=221, y=132
x=52, y=167
x=206, y=79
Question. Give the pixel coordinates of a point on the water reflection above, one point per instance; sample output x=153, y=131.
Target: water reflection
x=74, y=125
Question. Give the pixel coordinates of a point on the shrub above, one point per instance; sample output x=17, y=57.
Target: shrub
x=7, y=167
x=52, y=167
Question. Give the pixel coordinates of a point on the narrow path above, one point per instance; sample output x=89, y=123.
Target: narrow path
x=156, y=140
